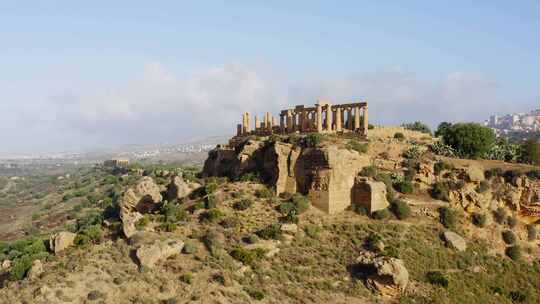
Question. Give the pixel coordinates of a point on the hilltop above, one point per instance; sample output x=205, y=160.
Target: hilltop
x=296, y=218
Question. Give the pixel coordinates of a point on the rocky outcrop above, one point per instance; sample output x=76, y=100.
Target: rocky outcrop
x=6, y=264
x=149, y=255
x=370, y=194
x=325, y=174
x=384, y=274
x=454, y=240
x=270, y=247
x=35, y=270
x=142, y=198
x=178, y=188
x=59, y=242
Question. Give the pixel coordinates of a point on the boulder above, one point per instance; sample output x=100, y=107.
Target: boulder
x=142, y=198
x=178, y=188
x=454, y=240
x=149, y=255
x=384, y=274
x=60, y=241
x=6, y=264
x=289, y=228
x=370, y=194
x=35, y=270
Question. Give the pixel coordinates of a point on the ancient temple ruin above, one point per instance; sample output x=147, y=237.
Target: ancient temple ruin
x=322, y=118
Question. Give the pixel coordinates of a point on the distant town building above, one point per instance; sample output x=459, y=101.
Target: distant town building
x=517, y=122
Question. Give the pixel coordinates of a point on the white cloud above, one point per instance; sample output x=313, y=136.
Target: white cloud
x=158, y=105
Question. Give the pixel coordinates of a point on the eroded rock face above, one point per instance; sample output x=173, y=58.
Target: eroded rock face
x=454, y=240
x=142, y=198
x=385, y=274
x=178, y=188
x=149, y=255
x=326, y=175
x=370, y=194
x=61, y=241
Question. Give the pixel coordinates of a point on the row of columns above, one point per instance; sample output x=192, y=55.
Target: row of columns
x=311, y=119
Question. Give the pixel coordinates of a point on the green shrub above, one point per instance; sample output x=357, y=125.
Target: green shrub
x=360, y=209
x=442, y=128
x=470, y=140
x=404, y=186
x=368, y=171
x=500, y=215
x=439, y=148
x=252, y=239
x=189, y=248
x=251, y=177
x=168, y=226
x=264, y=193
x=517, y=296
x=210, y=188
x=514, y=252
x=19, y=268
x=173, y=212
x=255, y=294
x=399, y=136
x=512, y=221
x=530, y=152
x=413, y=152
x=441, y=166
x=248, y=256
x=230, y=222
x=479, y=219
x=187, y=278
x=509, y=237
x=400, y=209
x=81, y=240
x=373, y=241
x=482, y=187
x=357, y=146
x=94, y=233
x=312, y=231
x=440, y=191
x=380, y=214
x=297, y=203
x=211, y=216
x=210, y=202
x=447, y=217
x=313, y=140
x=417, y=126
x=243, y=204
x=437, y=278
x=270, y=232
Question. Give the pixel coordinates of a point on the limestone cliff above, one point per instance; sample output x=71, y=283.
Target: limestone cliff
x=325, y=174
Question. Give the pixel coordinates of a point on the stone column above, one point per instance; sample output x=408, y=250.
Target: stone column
x=319, y=118
x=356, y=118
x=328, y=118
x=338, y=119
x=281, y=123
x=290, y=124
x=366, y=122
x=274, y=122
x=239, y=129
x=248, y=123
x=350, y=121
x=257, y=123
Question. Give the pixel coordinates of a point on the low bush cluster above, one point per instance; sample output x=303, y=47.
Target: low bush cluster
x=437, y=278
x=399, y=136
x=417, y=126
x=271, y=232
x=447, y=217
x=400, y=209
x=509, y=237
x=243, y=204
x=22, y=253
x=248, y=256
x=479, y=219
x=357, y=146
x=440, y=166
x=380, y=214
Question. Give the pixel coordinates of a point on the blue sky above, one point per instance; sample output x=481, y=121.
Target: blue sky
x=79, y=75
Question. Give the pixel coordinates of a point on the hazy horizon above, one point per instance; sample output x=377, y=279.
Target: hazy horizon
x=80, y=76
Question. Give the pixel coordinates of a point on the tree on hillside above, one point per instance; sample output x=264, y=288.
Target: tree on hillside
x=530, y=152
x=470, y=140
x=442, y=128
x=417, y=126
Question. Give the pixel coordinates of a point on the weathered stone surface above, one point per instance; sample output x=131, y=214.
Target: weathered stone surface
x=178, y=188
x=472, y=173
x=149, y=255
x=289, y=228
x=425, y=174
x=58, y=242
x=328, y=176
x=454, y=240
x=390, y=277
x=280, y=162
x=370, y=194
x=142, y=198
x=36, y=270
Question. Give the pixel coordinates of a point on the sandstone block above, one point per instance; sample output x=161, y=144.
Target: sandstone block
x=370, y=194
x=61, y=241
x=149, y=255
x=454, y=240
